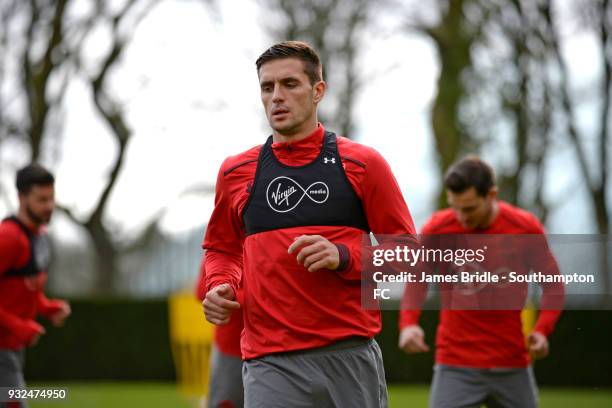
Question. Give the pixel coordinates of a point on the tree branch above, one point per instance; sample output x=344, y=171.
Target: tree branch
x=40, y=71
x=604, y=37
x=108, y=108
x=69, y=213
x=565, y=98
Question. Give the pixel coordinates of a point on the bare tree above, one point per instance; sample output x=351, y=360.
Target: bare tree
x=594, y=170
x=505, y=89
x=493, y=82
x=513, y=42
x=593, y=167
x=453, y=37
x=542, y=106
x=47, y=37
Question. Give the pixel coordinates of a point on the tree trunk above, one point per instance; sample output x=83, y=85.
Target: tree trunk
x=453, y=45
x=106, y=259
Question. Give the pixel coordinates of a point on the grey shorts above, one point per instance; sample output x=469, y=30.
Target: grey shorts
x=225, y=389
x=11, y=371
x=462, y=387
x=346, y=374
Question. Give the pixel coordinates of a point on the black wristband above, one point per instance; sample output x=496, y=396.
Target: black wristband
x=345, y=257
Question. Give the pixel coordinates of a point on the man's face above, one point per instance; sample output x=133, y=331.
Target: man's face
x=39, y=203
x=290, y=100
x=472, y=210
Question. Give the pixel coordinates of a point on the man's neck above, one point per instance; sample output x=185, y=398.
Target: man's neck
x=297, y=136
x=492, y=215
x=22, y=216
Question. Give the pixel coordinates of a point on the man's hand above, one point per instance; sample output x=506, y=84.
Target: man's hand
x=219, y=304
x=412, y=339
x=31, y=333
x=317, y=253
x=59, y=318
x=34, y=341
x=538, y=345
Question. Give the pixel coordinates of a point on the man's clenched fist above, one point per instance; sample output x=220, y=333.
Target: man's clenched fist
x=219, y=304
x=538, y=345
x=412, y=339
x=316, y=253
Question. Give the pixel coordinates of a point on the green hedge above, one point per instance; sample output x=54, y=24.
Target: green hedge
x=106, y=339
x=581, y=351
x=128, y=340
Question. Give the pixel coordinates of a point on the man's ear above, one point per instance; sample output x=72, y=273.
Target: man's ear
x=318, y=91
x=492, y=194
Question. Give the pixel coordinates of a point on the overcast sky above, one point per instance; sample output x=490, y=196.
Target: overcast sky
x=192, y=98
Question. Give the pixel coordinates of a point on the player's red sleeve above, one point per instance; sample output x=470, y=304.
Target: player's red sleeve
x=224, y=238
x=9, y=248
x=200, y=290
x=384, y=207
x=383, y=202
x=23, y=329
x=547, y=320
x=48, y=307
x=412, y=303
x=415, y=292
x=409, y=318
x=552, y=293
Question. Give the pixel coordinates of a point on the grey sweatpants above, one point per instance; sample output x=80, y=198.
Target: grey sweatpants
x=11, y=371
x=462, y=387
x=346, y=374
x=225, y=388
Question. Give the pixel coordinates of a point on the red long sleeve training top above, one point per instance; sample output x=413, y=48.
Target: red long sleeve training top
x=227, y=338
x=286, y=307
x=21, y=299
x=486, y=338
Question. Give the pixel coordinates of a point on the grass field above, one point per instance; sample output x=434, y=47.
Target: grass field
x=416, y=396
x=155, y=395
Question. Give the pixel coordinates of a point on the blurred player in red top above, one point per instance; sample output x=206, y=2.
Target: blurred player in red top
x=481, y=356
x=225, y=390
x=288, y=224
x=24, y=259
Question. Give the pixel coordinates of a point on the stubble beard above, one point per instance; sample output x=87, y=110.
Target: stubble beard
x=287, y=130
x=36, y=218
x=293, y=126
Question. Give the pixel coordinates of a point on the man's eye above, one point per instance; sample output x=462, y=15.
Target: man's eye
x=266, y=88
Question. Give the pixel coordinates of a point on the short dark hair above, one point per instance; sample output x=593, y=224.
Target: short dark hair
x=33, y=175
x=468, y=172
x=294, y=49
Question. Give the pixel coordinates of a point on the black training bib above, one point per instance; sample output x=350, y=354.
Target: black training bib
x=40, y=252
x=316, y=194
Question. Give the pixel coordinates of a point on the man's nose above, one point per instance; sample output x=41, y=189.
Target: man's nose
x=277, y=94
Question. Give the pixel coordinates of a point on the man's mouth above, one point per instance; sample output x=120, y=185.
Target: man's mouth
x=280, y=112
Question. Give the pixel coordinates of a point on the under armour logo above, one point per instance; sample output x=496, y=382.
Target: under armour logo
x=332, y=160
x=281, y=193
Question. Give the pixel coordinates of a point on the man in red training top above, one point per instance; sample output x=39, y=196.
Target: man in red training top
x=288, y=224
x=225, y=389
x=481, y=356
x=24, y=259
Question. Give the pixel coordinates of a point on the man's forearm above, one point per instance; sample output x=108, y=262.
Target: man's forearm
x=547, y=321
x=222, y=267
x=48, y=307
x=24, y=329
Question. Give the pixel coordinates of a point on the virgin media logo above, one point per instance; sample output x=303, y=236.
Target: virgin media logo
x=284, y=194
